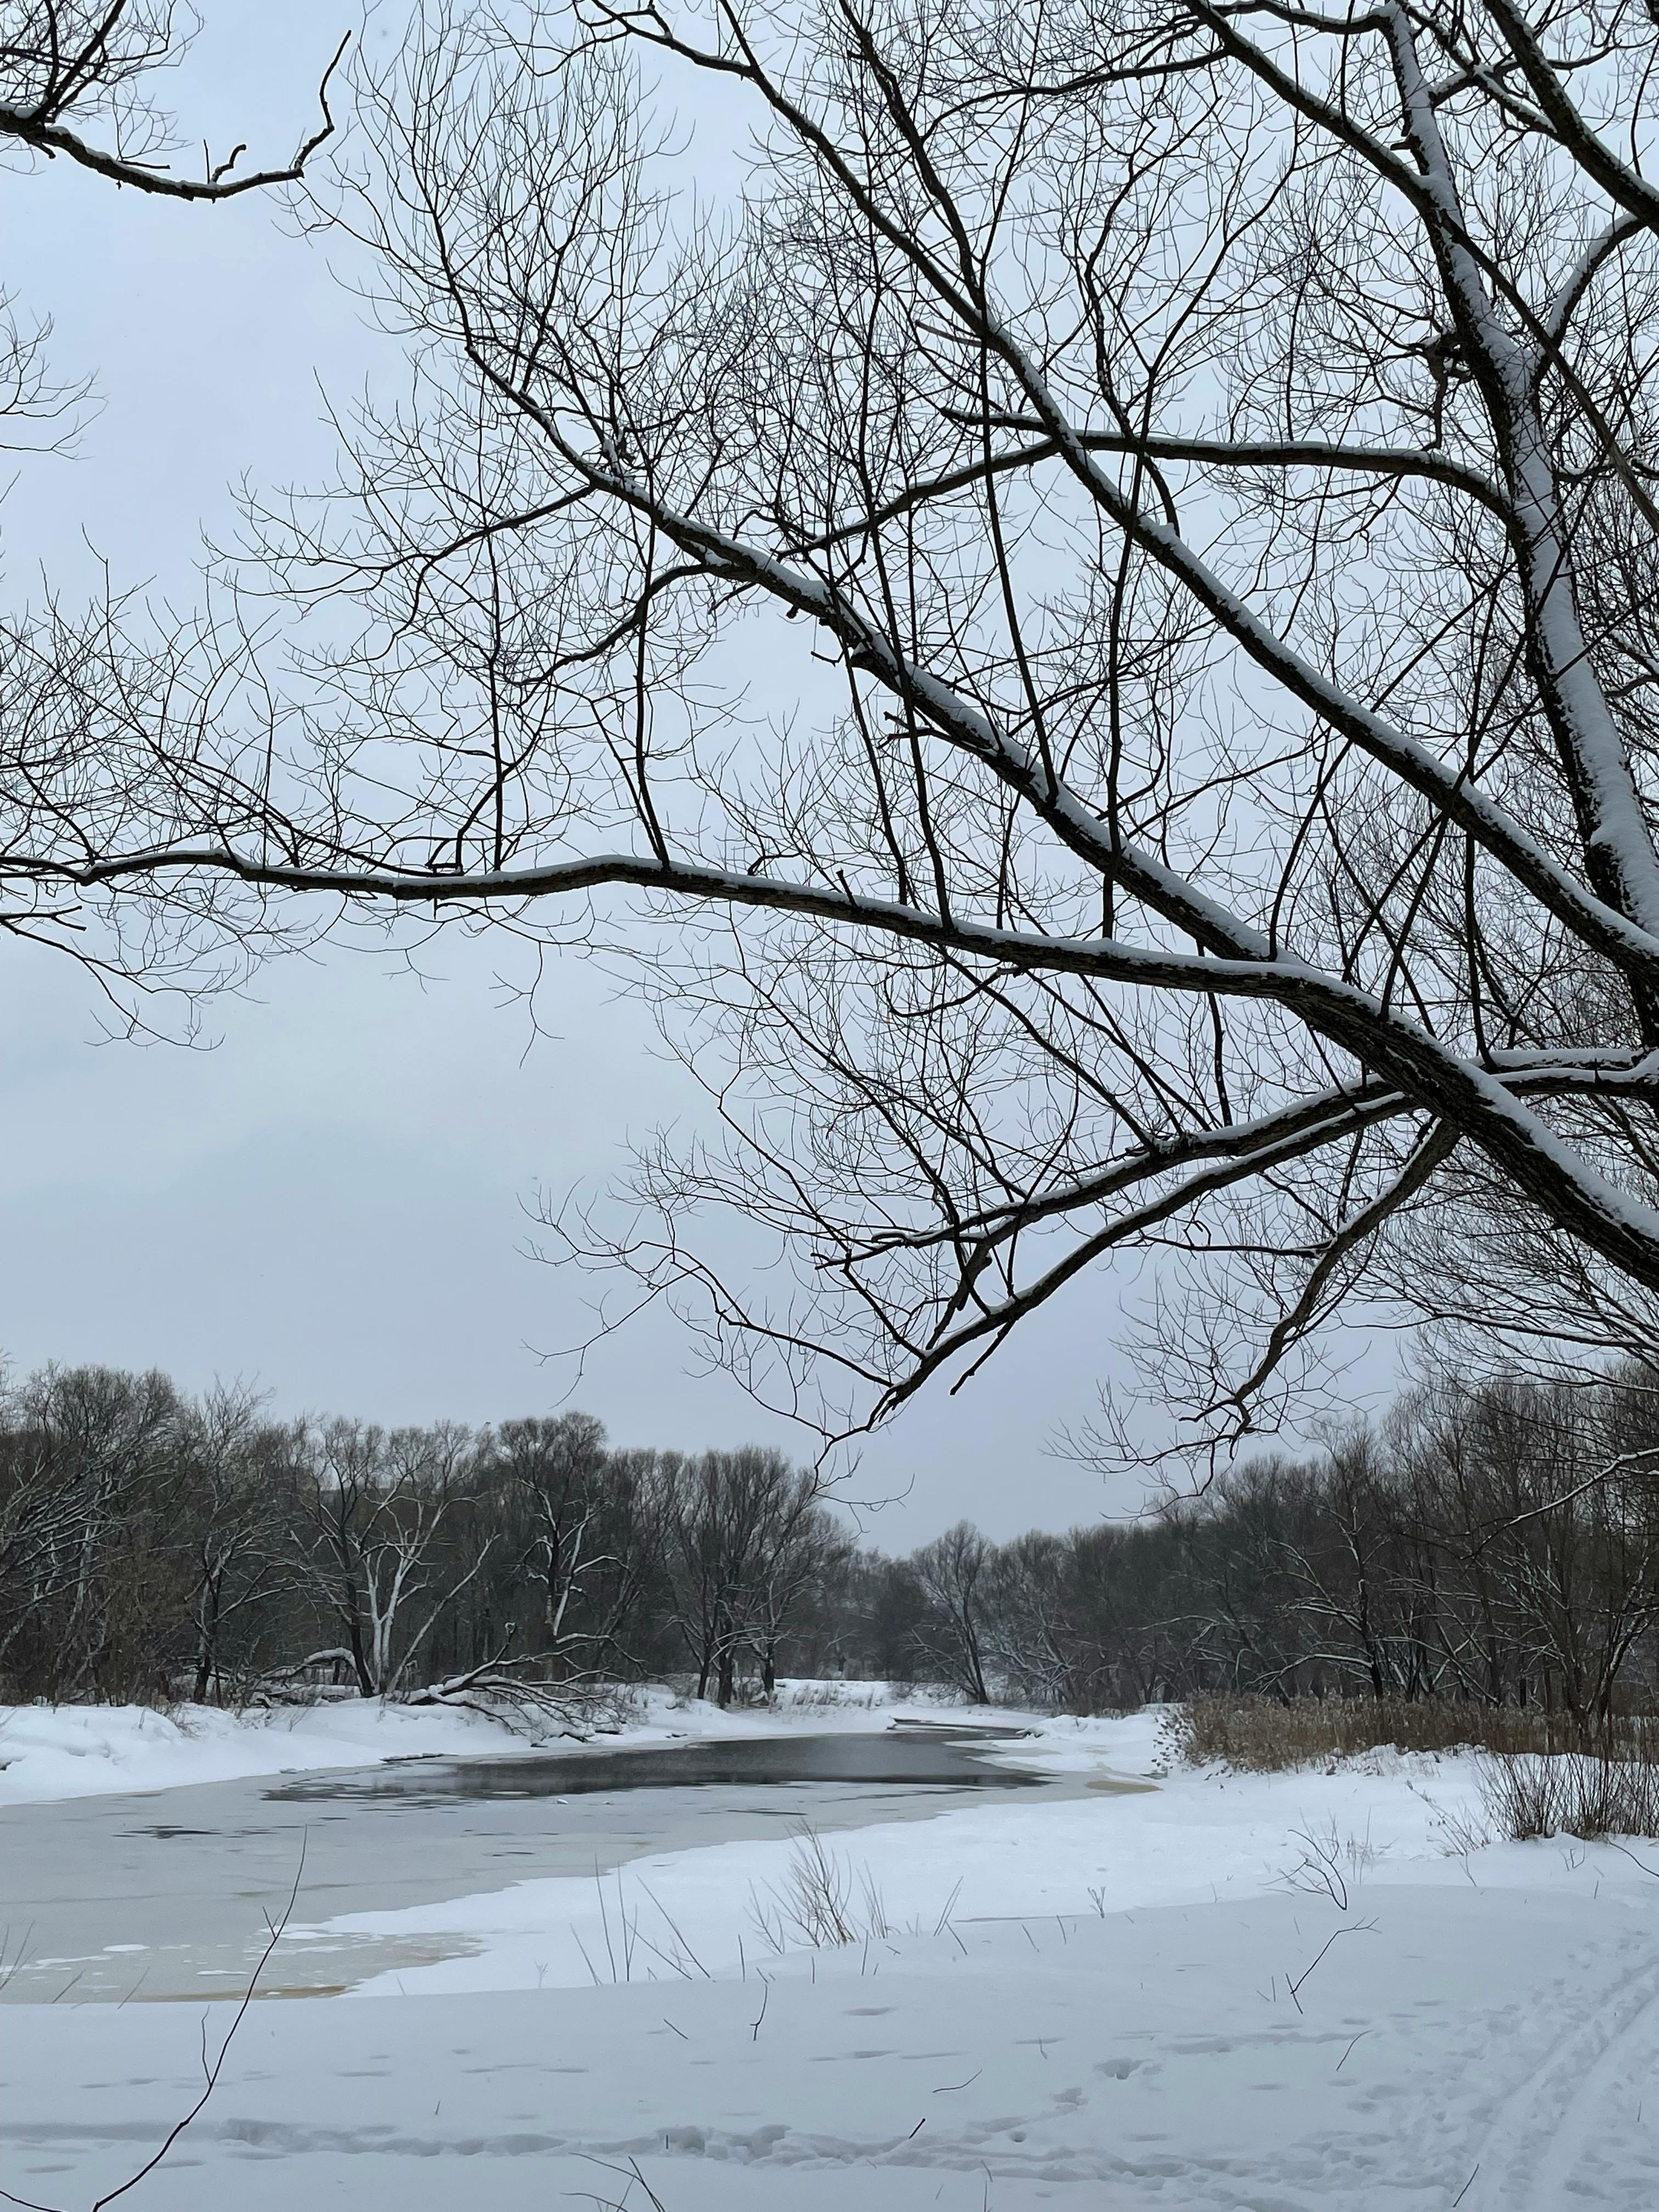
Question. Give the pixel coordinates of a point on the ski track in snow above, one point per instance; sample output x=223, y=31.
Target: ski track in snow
x=1547, y=2145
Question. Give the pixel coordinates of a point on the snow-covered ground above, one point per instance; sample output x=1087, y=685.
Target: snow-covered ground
x=83, y=1751
x=1277, y=1992
x=1179, y=1839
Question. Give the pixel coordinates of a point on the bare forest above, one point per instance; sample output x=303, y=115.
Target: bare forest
x=1495, y=1548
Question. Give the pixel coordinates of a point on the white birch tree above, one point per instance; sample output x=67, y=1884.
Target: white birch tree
x=368, y=1543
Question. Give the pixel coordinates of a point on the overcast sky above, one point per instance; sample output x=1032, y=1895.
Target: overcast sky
x=330, y=1202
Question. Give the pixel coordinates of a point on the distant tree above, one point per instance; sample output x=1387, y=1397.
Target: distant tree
x=954, y=1576
x=90, y=1585
x=556, y=1470
x=367, y=1542
x=742, y=1540
x=238, y=1477
x=891, y=1604
x=802, y=1550
x=1036, y=1628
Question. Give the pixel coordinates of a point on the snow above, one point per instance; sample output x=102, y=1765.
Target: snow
x=1186, y=1839
x=1118, y=1999
x=84, y=1750
x=80, y=1751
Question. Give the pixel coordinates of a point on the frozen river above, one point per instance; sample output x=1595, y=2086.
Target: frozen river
x=167, y=1895
x=1072, y=1999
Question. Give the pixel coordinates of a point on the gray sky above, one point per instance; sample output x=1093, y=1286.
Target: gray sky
x=330, y=1201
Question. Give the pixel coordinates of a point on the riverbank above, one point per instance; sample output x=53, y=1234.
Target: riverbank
x=72, y=1750
x=1282, y=1991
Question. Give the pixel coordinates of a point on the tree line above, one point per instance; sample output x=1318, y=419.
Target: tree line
x=153, y=1544
x=1495, y=1543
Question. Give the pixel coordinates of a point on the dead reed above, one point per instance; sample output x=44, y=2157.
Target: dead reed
x=1260, y=1736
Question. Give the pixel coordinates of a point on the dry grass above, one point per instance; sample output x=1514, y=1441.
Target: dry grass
x=1544, y=1774
x=820, y=1906
x=826, y=1697
x=814, y=1903
x=1261, y=1735
x=1591, y=1796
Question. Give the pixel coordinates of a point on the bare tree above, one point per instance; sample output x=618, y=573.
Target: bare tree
x=556, y=1469
x=86, y=760
x=955, y=1572
x=591, y=1538
x=85, y=1454
x=1049, y=1651
x=743, y=1535
x=239, y=1482
x=368, y=1543
x=1108, y=610
x=1538, y=1501
x=801, y=1552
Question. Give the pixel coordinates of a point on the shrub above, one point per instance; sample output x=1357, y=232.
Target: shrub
x=1576, y=1794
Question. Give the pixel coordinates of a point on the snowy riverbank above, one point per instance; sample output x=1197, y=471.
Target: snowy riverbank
x=1222, y=1991
x=77, y=1751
